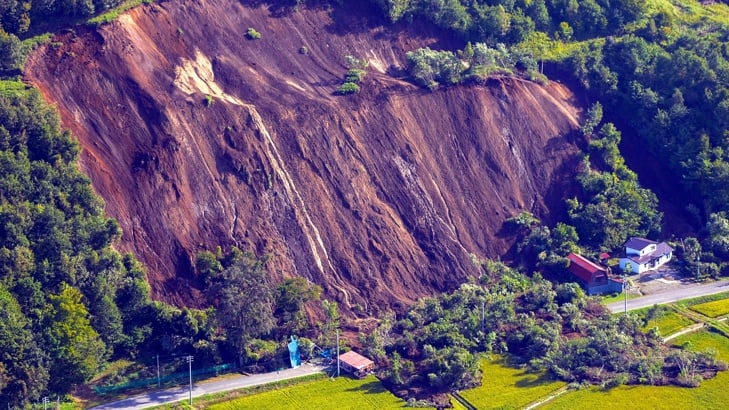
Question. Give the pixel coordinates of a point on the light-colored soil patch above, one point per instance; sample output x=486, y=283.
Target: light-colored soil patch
x=197, y=76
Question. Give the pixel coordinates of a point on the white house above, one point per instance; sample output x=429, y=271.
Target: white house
x=644, y=255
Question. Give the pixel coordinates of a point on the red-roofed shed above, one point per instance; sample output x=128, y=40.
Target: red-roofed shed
x=588, y=272
x=356, y=364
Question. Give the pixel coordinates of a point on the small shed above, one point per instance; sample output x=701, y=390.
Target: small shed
x=356, y=364
x=604, y=258
x=594, y=278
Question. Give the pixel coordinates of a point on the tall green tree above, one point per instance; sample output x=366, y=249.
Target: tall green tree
x=76, y=349
x=243, y=297
x=23, y=377
x=291, y=296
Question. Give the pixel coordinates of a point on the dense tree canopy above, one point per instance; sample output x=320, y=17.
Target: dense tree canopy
x=74, y=300
x=557, y=329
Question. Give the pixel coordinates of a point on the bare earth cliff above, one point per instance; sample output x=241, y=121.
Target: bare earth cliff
x=379, y=197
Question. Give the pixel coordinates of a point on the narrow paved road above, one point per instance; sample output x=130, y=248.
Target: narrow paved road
x=183, y=393
x=680, y=292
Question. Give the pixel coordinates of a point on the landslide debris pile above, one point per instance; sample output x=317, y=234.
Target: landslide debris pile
x=197, y=135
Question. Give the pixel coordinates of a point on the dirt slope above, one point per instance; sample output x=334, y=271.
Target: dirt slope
x=379, y=197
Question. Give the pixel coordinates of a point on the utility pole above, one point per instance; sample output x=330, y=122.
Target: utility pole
x=625, y=291
x=337, y=352
x=483, y=313
x=626, y=271
x=189, y=362
x=158, y=380
x=698, y=267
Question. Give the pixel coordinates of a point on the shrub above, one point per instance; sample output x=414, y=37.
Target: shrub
x=304, y=50
x=354, y=75
x=348, y=88
x=252, y=34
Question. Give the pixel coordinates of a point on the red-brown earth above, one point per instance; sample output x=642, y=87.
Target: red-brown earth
x=380, y=197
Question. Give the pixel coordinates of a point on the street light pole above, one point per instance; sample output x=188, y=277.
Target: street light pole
x=189, y=362
x=158, y=380
x=337, y=352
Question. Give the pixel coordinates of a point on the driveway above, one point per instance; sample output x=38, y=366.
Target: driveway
x=183, y=393
x=683, y=290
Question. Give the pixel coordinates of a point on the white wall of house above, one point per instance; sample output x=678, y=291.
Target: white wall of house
x=636, y=268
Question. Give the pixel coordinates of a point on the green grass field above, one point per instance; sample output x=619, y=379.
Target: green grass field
x=712, y=309
x=507, y=387
x=339, y=393
x=711, y=394
x=617, y=298
x=671, y=322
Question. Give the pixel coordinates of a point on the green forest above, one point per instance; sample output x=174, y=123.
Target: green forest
x=70, y=303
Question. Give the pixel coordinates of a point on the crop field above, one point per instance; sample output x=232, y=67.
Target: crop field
x=711, y=394
x=712, y=309
x=339, y=393
x=457, y=404
x=507, y=387
x=670, y=322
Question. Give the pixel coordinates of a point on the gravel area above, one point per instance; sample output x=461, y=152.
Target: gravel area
x=665, y=278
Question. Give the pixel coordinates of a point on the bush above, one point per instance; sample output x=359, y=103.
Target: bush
x=348, y=88
x=252, y=34
x=354, y=75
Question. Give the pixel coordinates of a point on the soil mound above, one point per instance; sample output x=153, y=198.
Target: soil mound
x=197, y=137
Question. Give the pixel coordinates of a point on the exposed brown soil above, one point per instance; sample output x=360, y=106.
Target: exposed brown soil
x=380, y=198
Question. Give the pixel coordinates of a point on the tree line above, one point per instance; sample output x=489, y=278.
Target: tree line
x=16, y=17
x=70, y=301
x=513, y=21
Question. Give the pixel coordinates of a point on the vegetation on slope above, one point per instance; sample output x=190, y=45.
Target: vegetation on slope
x=70, y=301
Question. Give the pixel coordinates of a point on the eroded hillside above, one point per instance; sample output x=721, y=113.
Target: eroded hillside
x=198, y=137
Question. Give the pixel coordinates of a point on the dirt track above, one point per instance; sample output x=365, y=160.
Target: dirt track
x=380, y=197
